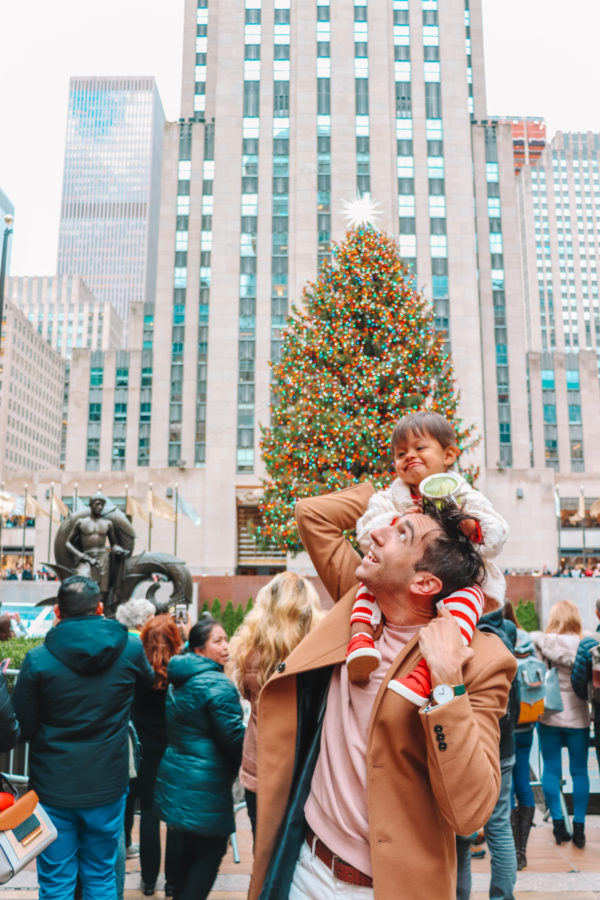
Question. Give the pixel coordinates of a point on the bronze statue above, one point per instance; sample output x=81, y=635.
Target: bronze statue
x=98, y=542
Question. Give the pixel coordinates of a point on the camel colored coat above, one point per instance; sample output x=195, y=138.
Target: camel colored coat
x=419, y=794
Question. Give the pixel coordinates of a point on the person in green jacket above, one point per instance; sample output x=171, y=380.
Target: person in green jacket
x=205, y=735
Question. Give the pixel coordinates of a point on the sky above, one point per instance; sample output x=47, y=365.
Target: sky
x=541, y=60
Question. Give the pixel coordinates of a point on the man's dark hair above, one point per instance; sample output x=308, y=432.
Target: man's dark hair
x=451, y=556
x=424, y=423
x=200, y=632
x=78, y=596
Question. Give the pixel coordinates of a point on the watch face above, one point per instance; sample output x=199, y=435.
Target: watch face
x=442, y=693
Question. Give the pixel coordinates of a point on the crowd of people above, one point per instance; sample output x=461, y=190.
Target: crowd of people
x=379, y=736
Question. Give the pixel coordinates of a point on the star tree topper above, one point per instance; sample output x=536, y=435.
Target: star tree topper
x=361, y=211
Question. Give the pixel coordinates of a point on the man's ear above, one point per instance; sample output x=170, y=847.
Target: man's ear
x=57, y=611
x=425, y=584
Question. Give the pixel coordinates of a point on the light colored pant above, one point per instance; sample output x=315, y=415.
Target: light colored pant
x=314, y=881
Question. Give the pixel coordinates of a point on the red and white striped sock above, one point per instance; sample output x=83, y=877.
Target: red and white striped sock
x=466, y=606
x=366, y=609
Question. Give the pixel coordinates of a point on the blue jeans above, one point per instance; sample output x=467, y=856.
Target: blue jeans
x=500, y=841
x=521, y=785
x=576, y=740
x=87, y=843
x=499, y=837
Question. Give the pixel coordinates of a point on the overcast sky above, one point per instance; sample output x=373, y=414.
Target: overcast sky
x=541, y=60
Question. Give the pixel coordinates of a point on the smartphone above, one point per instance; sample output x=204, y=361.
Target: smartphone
x=181, y=613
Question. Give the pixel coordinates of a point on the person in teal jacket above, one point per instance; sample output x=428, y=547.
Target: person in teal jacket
x=205, y=734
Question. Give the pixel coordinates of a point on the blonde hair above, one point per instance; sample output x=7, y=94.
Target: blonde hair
x=284, y=611
x=564, y=618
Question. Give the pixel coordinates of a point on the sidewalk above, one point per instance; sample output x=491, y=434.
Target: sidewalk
x=553, y=872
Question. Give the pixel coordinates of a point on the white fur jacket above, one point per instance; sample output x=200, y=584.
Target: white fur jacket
x=384, y=505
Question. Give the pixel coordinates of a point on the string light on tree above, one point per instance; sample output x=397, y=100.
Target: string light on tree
x=360, y=354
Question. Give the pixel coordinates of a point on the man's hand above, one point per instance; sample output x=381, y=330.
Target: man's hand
x=444, y=650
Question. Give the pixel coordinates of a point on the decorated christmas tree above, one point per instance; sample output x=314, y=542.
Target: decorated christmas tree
x=360, y=354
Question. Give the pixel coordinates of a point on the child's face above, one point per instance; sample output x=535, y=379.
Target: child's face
x=421, y=455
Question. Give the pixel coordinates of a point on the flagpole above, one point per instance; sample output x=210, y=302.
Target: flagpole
x=150, y=518
x=558, y=522
x=24, y=525
x=74, y=510
x=50, y=528
x=582, y=496
x=126, y=498
x=176, y=518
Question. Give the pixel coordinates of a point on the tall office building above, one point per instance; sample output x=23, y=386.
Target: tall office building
x=32, y=378
x=560, y=207
x=529, y=138
x=288, y=110
x=111, y=188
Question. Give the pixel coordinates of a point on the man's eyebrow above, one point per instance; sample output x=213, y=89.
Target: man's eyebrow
x=408, y=525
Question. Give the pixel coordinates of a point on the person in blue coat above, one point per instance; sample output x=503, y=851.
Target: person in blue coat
x=205, y=735
x=581, y=676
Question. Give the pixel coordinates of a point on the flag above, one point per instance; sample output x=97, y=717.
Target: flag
x=7, y=503
x=595, y=509
x=188, y=510
x=556, y=503
x=62, y=508
x=32, y=509
x=160, y=508
x=135, y=508
x=79, y=505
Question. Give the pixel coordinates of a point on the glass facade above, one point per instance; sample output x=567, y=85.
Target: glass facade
x=438, y=240
x=361, y=90
x=323, y=131
x=180, y=276
x=496, y=249
x=111, y=186
x=281, y=175
x=249, y=230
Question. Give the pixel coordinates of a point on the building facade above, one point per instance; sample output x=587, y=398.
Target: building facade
x=31, y=398
x=559, y=200
x=111, y=188
x=289, y=110
x=66, y=313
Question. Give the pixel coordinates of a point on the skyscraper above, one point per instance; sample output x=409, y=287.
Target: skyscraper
x=111, y=187
x=289, y=110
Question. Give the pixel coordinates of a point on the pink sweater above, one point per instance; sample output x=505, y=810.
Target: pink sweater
x=336, y=808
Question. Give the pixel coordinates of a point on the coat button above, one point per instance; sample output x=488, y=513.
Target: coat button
x=281, y=667
x=442, y=745
x=438, y=728
x=440, y=737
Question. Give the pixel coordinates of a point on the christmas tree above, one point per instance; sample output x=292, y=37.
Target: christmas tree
x=360, y=354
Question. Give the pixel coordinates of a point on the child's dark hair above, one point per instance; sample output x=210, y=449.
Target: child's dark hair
x=451, y=556
x=424, y=423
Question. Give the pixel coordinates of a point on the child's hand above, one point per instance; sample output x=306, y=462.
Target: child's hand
x=471, y=530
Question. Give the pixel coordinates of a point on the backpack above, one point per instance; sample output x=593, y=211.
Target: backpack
x=530, y=676
x=595, y=682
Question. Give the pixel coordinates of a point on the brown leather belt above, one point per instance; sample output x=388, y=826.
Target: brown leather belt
x=340, y=869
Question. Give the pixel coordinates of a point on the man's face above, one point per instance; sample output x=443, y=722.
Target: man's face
x=96, y=507
x=388, y=569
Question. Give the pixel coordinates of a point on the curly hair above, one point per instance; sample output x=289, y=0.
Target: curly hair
x=161, y=639
x=285, y=610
